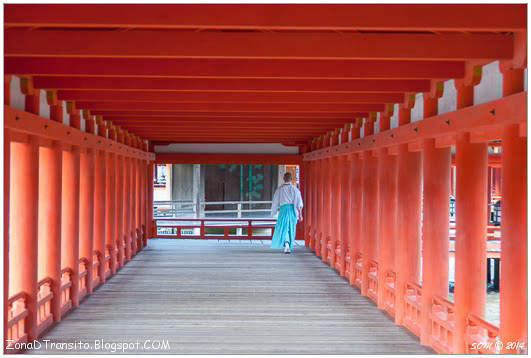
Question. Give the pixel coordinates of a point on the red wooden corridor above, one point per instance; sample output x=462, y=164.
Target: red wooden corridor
x=386, y=108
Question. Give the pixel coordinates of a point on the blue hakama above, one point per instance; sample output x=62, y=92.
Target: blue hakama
x=285, y=228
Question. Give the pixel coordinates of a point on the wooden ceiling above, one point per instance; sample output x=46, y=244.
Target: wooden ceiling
x=249, y=73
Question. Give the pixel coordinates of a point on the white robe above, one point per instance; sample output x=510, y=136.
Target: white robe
x=287, y=194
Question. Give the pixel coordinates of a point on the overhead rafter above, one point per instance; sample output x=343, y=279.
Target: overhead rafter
x=233, y=107
x=227, y=85
x=234, y=68
x=418, y=17
x=227, y=97
x=295, y=46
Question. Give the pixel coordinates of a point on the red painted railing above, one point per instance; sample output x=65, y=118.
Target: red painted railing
x=16, y=320
x=372, y=281
x=110, y=254
x=413, y=307
x=339, y=257
x=358, y=269
x=481, y=337
x=199, y=228
x=442, y=317
x=348, y=262
x=96, y=262
x=44, y=304
x=389, y=292
x=83, y=271
x=64, y=291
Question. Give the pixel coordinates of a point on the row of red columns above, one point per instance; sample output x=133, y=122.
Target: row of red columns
x=391, y=206
x=65, y=203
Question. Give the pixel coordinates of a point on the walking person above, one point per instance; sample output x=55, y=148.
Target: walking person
x=288, y=201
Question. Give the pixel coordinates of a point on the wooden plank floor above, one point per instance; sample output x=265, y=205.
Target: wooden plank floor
x=210, y=297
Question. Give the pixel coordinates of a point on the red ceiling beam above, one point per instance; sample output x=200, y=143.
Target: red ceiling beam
x=234, y=68
x=145, y=115
x=233, y=107
x=226, y=85
x=227, y=97
x=232, y=121
x=318, y=46
x=417, y=17
x=216, y=158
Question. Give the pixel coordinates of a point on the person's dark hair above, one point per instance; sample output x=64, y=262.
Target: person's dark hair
x=287, y=177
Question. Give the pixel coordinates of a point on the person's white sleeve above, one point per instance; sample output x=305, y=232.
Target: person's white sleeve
x=275, y=203
x=298, y=201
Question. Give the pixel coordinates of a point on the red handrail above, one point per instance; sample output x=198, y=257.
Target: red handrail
x=44, y=305
x=372, y=281
x=203, y=227
x=16, y=325
x=358, y=269
x=64, y=291
x=83, y=270
x=481, y=337
x=389, y=292
x=413, y=307
x=442, y=316
x=96, y=262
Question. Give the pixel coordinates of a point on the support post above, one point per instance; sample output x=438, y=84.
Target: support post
x=70, y=218
x=119, y=170
x=345, y=213
x=471, y=230
x=100, y=206
x=388, y=172
x=132, y=205
x=369, y=220
x=356, y=165
x=435, y=227
x=335, y=203
x=49, y=258
x=110, y=210
x=7, y=197
x=327, y=208
x=513, y=282
x=86, y=212
x=149, y=206
x=127, y=207
x=24, y=226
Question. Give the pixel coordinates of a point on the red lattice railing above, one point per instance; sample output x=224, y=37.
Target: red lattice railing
x=358, y=270
x=16, y=320
x=83, y=271
x=389, y=292
x=372, y=281
x=348, y=262
x=442, y=318
x=96, y=262
x=65, y=290
x=44, y=304
x=413, y=307
x=205, y=229
x=109, y=253
x=481, y=337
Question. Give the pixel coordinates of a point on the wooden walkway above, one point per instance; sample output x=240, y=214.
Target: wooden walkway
x=210, y=297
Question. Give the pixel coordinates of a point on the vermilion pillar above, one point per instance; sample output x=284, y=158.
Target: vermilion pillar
x=387, y=173
x=100, y=206
x=86, y=211
x=110, y=209
x=345, y=213
x=436, y=166
x=127, y=207
x=513, y=280
x=317, y=210
x=149, y=205
x=132, y=204
x=356, y=165
x=70, y=218
x=23, y=226
x=326, y=208
x=119, y=170
x=309, y=203
x=143, y=201
x=471, y=230
x=369, y=220
x=49, y=259
x=138, y=200
x=7, y=194
x=335, y=227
